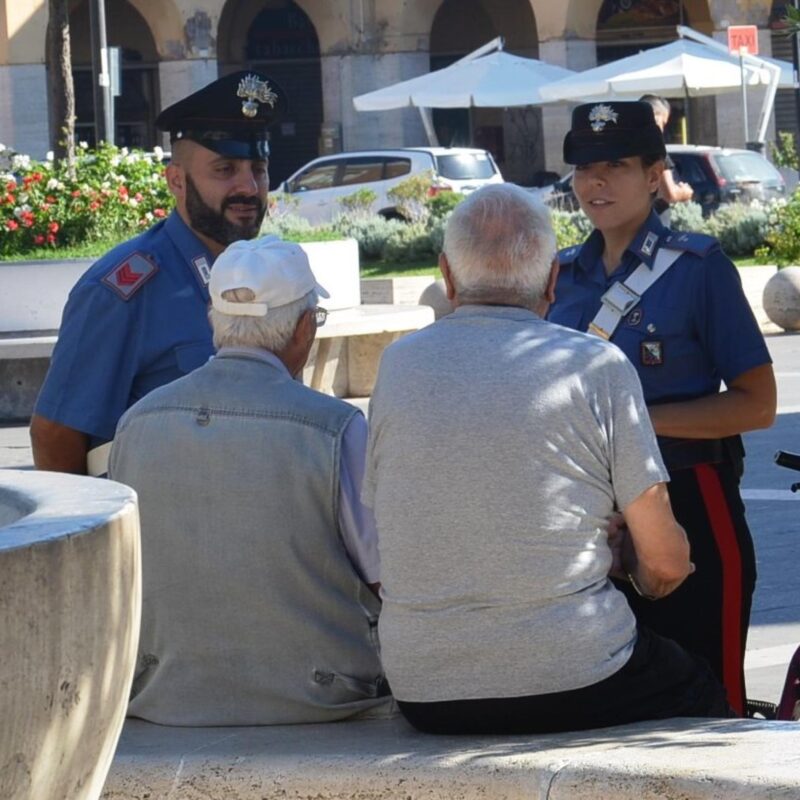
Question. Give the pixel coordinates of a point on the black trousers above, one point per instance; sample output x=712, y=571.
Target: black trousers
x=710, y=612
x=660, y=680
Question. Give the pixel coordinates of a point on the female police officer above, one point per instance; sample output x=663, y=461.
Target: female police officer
x=673, y=303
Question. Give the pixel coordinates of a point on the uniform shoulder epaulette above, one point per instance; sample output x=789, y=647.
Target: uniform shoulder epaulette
x=568, y=254
x=130, y=274
x=697, y=243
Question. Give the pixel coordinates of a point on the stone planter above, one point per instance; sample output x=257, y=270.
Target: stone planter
x=70, y=602
x=782, y=298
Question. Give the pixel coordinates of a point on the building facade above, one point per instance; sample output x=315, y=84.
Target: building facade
x=324, y=52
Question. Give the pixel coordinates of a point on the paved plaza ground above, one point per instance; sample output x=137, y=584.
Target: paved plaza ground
x=773, y=512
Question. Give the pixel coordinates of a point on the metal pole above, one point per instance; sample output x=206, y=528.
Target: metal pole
x=796, y=60
x=103, y=102
x=744, y=97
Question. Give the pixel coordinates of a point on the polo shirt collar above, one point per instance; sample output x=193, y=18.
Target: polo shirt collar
x=196, y=254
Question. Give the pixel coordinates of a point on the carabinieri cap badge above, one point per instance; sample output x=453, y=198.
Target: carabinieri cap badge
x=601, y=115
x=254, y=91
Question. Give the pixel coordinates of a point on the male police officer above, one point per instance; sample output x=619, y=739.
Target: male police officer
x=137, y=318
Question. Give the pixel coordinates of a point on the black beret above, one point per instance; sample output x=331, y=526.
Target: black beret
x=229, y=116
x=612, y=130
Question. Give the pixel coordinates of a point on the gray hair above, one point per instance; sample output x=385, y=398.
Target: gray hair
x=500, y=246
x=272, y=332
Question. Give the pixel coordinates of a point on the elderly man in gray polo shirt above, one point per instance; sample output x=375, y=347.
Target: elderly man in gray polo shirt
x=259, y=561
x=501, y=446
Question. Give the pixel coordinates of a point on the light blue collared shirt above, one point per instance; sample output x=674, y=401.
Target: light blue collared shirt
x=356, y=521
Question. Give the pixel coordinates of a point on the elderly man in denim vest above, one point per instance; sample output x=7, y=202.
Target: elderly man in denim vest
x=259, y=561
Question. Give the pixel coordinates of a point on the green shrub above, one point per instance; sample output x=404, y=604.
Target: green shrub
x=371, y=232
x=782, y=237
x=571, y=227
x=112, y=193
x=440, y=205
x=687, y=217
x=740, y=228
x=408, y=242
x=359, y=202
x=297, y=229
x=411, y=196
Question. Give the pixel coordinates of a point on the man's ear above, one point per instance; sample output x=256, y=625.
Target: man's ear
x=176, y=179
x=444, y=268
x=550, y=290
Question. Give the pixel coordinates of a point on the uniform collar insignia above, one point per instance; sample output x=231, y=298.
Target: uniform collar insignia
x=649, y=244
x=601, y=115
x=254, y=91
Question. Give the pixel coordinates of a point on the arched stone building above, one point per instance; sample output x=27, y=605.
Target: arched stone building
x=324, y=52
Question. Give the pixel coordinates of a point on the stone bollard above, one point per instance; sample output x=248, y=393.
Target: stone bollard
x=70, y=603
x=782, y=298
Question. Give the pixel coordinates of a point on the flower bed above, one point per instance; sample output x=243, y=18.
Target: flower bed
x=110, y=193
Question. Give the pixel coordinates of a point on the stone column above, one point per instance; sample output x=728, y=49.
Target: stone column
x=177, y=79
x=575, y=54
x=23, y=111
x=345, y=76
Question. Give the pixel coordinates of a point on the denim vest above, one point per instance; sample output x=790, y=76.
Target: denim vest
x=252, y=612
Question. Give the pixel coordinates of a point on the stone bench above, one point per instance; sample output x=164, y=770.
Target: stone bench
x=343, y=362
x=70, y=601
x=670, y=760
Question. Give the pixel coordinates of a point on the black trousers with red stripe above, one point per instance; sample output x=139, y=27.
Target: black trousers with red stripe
x=710, y=612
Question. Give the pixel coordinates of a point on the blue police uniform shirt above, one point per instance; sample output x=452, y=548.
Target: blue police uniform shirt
x=692, y=328
x=137, y=319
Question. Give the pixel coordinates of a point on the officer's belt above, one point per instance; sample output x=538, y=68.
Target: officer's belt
x=623, y=296
x=97, y=460
x=684, y=453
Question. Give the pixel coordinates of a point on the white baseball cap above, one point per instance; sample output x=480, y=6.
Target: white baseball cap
x=277, y=272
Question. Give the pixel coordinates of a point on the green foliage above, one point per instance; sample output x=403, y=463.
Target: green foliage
x=441, y=204
x=783, y=152
x=359, y=202
x=113, y=194
x=408, y=242
x=740, y=228
x=782, y=238
x=411, y=195
x=297, y=229
x=571, y=227
x=792, y=20
x=371, y=232
x=687, y=216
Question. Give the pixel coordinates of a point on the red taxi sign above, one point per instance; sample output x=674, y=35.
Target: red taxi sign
x=743, y=39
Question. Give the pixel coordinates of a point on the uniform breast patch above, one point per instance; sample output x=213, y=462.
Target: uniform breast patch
x=130, y=275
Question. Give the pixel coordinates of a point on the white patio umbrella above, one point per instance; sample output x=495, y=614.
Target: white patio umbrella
x=498, y=79
x=673, y=70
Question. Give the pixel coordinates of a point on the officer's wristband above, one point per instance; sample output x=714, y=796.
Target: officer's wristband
x=638, y=589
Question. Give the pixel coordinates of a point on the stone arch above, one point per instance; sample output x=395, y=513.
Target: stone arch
x=166, y=26
x=513, y=136
x=137, y=107
x=278, y=38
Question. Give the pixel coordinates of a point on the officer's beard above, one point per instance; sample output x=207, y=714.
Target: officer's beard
x=214, y=224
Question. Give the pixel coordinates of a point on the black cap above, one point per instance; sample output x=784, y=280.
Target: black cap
x=229, y=116
x=607, y=131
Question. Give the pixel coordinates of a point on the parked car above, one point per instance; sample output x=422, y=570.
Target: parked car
x=716, y=174
x=725, y=175
x=318, y=187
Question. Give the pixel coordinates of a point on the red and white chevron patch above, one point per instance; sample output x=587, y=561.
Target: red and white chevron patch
x=129, y=276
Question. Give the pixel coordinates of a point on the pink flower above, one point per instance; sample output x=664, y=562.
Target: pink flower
x=12, y=224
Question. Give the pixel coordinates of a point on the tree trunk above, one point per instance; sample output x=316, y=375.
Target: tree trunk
x=61, y=91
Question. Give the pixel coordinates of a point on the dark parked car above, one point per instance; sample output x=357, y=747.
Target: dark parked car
x=724, y=175
x=716, y=174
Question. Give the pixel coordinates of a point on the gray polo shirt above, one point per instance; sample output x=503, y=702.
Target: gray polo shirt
x=499, y=446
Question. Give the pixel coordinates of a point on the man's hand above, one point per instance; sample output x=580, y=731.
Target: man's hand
x=57, y=448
